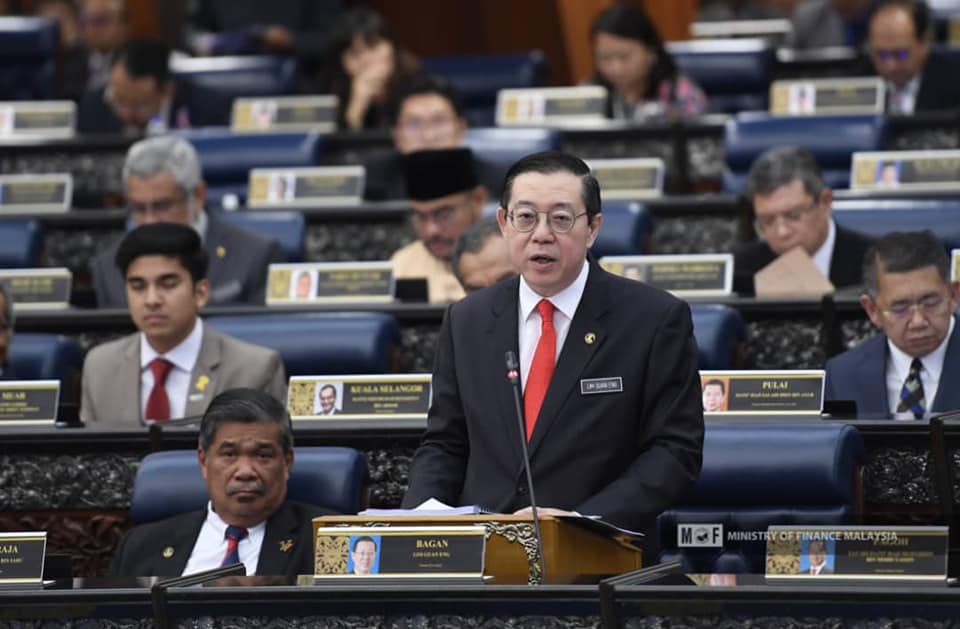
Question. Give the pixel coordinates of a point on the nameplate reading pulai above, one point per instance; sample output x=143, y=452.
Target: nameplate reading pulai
x=386, y=396
x=762, y=392
x=21, y=558
x=37, y=288
x=39, y=119
x=906, y=170
x=35, y=194
x=329, y=282
x=702, y=275
x=285, y=114
x=822, y=97
x=305, y=187
x=547, y=106
x=629, y=178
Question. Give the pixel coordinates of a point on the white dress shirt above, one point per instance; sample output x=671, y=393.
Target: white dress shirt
x=184, y=357
x=903, y=100
x=824, y=255
x=211, y=545
x=898, y=368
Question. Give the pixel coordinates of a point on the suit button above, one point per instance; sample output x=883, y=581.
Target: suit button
x=522, y=489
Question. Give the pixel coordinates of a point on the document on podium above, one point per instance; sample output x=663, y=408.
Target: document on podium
x=428, y=507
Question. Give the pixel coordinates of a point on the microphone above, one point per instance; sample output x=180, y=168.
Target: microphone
x=513, y=375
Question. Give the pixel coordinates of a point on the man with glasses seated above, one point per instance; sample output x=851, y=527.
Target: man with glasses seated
x=791, y=208
x=912, y=368
x=445, y=199
x=162, y=177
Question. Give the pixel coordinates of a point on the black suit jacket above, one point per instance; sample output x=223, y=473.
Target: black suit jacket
x=625, y=455
x=939, y=88
x=145, y=550
x=846, y=265
x=96, y=117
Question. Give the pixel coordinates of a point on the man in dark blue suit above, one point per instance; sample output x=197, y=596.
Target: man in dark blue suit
x=912, y=368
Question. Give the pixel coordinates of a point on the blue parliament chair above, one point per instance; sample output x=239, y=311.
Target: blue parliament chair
x=39, y=356
x=626, y=229
x=496, y=150
x=287, y=227
x=21, y=243
x=831, y=139
x=28, y=56
x=758, y=474
x=169, y=483
x=876, y=217
x=480, y=77
x=320, y=343
x=719, y=331
x=734, y=73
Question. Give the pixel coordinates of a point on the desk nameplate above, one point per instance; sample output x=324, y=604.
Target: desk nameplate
x=629, y=178
x=385, y=396
x=43, y=119
x=36, y=194
x=831, y=97
x=696, y=275
x=323, y=186
x=285, y=114
x=330, y=282
x=42, y=288
x=762, y=392
x=906, y=170
x=21, y=558
x=532, y=107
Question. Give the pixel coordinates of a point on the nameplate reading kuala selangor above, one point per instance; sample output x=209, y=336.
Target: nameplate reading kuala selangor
x=329, y=282
x=387, y=396
x=827, y=97
x=630, y=178
x=45, y=119
x=305, y=187
x=551, y=106
x=285, y=113
x=403, y=552
x=21, y=558
x=704, y=275
x=906, y=170
x=37, y=288
x=857, y=553
x=35, y=194
x=762, y=392
x=29, y=401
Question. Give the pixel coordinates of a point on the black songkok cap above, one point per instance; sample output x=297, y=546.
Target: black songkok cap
x=439, y=173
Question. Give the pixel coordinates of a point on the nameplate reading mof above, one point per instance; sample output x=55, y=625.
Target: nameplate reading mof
x=24, y=402
x=762, y=392
x=43, y=119
x=386, y=396
x=857, y=553
x=21, y=558
x=329, y=282
x=285, y=113
x=305, y=187
x=35, y=194
x=37, y=288
x=629, y=178
x=544, y=106
x=699, y=275
x=402, y=552
x=832, y=97
x=906, y=170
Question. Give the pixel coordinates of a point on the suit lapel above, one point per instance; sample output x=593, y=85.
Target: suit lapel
x=502, y=336
x=279, y=542
x=948, y=395
x=125, y=388
x=873, y=370
x=216, y=248
x=174, y=552
x=203, y=380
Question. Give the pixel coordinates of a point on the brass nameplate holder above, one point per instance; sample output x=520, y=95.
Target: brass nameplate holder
x=828, y=97
x=906, y=170
x=35, y=194
x=305, y=187
x=21, y=558
x=548, y=106
x=629, y=178
x=700, y=275
x=25, y=402
x=329, y=282
x=43, y=288
x=386, y=396
x=285, y=114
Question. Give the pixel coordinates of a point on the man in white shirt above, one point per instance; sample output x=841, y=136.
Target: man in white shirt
x=245, y=454
x=909, y=296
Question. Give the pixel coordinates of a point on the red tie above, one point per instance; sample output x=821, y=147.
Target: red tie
x=541, y=369
x=158, y=404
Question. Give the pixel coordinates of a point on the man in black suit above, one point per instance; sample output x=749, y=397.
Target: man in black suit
x=245, y=455
x=792, y=208
x=612, y=404
x=162, y=177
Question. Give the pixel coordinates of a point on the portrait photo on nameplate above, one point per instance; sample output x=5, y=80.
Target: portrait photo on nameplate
x=38, y=119
x=906, y=170
x=329, y=282
x=549, y=106
x=761, y=392
x=385, y=396
x=26, y=402
x=21, y=558
x=694, y=275
x=322, y=186
x=629, y=178
x=35, y=194
x=285, y=114
x=37, y=289
x=827, y=97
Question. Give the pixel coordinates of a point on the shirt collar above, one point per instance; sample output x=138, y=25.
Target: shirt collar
x=932, y=362
x=823, y=256
x=566, y=301
x=910, y=87
x=220, y=527
x=183, y=356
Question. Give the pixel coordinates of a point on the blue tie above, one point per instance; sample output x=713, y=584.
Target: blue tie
x=233, y=536
x=911, y=395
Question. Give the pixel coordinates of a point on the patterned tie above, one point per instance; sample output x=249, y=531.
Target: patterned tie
x=158, y=404
x=233, y=536
x=911, y=395
x=541, y=369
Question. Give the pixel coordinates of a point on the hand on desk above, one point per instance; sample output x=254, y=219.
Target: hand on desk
x=541, y=511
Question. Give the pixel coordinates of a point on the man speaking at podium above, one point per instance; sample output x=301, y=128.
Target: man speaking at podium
x=611, y=393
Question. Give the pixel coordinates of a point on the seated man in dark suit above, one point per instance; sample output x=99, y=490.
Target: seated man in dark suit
x=791, y=208
x=913, y=367
x=480, y=256
x=162, y=177
x=245, y=455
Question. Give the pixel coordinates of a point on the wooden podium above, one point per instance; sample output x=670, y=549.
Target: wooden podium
x=573, y=554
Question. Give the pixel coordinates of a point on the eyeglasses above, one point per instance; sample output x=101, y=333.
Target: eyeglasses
x=790, y=218
x=160, y=206
x=928, y=306
x=559, y=221
x=891, y=54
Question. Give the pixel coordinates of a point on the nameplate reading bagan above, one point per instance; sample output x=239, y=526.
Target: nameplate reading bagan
x=707, y=275
x=762, y=392
x=906, y=170
x=387, y=396
x=285, y=113
x=21, y=558
x=866, y=95
x=629, y=178
x=403, y=552
x=857, y=553
x=37, y=288
x=551, y=106
x=35, y=194
x=329, y=282
x=24, y=402
x=48, y=119
x=305, y=187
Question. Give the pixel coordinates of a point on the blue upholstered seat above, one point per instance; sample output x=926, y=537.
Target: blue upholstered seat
x=734, y=73
x=21, y=243
x=38, y=356
x=876, y=217
x=287, y=227
x=28, y=56
x=321, y=343
x=170, y=483
x=497, y=149
x=759, y=474
x=627, y=226
x=719, y=331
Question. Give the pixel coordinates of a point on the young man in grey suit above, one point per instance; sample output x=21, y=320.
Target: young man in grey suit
x=162, y=179
x=176, y=363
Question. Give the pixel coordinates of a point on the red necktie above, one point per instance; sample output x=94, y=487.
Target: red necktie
x=541, y=369
x=233, y=534
x=158, y=404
